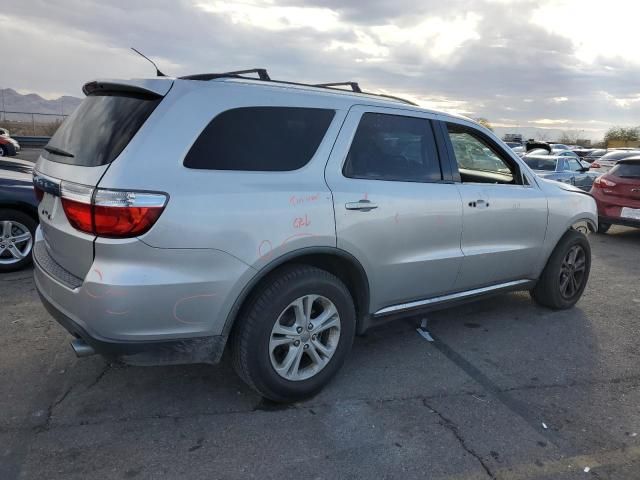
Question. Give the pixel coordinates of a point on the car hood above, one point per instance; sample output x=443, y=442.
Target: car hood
x=563, y=186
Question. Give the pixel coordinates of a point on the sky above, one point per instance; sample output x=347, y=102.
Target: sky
x=549, y=64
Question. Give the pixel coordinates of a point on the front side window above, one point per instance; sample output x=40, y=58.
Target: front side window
x=478, y=161
x=574, y=165
x=393, y=148
x=260, y=139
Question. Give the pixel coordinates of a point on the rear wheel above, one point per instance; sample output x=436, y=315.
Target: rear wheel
x=295, y=333
x=603, y=227
x=17, y=231
x=565, y=277
x=4, y=152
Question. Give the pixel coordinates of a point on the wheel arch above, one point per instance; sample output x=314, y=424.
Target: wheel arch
x=23, y=207
x=334, y=260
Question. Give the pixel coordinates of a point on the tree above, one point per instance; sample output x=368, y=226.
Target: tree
x=484, y=122
x=569, y=137
x=625, y=134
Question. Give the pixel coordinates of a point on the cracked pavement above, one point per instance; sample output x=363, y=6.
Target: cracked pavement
x=470, y=405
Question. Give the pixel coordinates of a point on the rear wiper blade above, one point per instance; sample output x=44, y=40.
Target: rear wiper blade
x=58, y=151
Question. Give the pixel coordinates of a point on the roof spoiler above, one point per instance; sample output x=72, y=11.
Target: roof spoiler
x=155, y=87
x=532, y=144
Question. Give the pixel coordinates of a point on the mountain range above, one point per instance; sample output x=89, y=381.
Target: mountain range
x=12, y=101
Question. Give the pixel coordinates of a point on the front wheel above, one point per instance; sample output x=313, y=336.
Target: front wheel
x=565, y=277
x=294, y=334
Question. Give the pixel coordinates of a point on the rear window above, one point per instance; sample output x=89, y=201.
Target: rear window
x=540, y=163
x=631, y=170
x=260, y=139
x=100, y=128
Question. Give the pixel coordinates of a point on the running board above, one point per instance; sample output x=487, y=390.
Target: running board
x=452, y=297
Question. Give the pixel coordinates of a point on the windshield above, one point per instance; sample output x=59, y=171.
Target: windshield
x=99, y=129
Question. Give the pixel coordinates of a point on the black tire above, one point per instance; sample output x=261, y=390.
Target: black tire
x=252, y=331
x=4, y=151
x=27, y=221
x=554, y=289
x=603, y=227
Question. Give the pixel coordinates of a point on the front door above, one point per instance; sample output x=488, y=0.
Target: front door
x=394, y=212
x=505, y=219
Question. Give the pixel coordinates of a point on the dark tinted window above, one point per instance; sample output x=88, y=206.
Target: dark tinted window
x=626, y=169
x=393, y=147
x=100, y=128
x=260, y=139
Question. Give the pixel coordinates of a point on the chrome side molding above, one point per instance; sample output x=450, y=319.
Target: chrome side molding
x=448, y=298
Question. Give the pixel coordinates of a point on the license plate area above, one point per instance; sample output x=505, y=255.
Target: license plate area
x=633, y=213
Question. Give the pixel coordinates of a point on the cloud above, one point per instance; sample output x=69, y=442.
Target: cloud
x=524, y=60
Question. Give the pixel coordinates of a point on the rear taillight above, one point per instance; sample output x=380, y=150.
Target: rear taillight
x=602, y=182
x=126, y=214
x=111, y=213
x=595, y=165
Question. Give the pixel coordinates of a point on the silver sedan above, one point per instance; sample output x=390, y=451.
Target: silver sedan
x=562, y=169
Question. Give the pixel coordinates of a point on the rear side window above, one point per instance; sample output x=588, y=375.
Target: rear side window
x=393, y=147
x=260, y=139
x=100, y=128
x=627, y=169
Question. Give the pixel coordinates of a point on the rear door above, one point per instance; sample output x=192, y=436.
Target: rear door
x=78, y=155
x=505, y=213
x=395, y=210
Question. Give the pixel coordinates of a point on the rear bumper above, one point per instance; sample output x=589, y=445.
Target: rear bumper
x=627, y=222
x=171, y=352
x=142, y=304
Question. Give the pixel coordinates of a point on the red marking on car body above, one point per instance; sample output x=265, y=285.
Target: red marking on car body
x=265, y=245
x=300, y=222
x=187, y=299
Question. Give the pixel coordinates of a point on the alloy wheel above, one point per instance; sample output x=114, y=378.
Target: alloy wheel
x=572, y=272
x=15, y=242
x=304, y=337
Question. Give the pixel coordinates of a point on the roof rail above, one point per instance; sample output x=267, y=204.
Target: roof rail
x=354, y=85
x=263, y=75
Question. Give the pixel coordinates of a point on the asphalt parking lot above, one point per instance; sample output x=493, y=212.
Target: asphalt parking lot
x=507, y=390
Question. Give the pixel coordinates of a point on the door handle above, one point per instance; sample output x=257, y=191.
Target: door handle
x=480, y=203
x=362, y=205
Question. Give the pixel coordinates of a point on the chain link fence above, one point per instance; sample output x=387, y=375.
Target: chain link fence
x=30, y=123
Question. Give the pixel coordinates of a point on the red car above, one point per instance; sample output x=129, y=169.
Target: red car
x=617, y=194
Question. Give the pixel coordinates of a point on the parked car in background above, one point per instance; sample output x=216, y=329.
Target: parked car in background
x=5, y=140
x=609, y=159
x=562, y=169
x=594, y=154
x=18, y=214
x=7, y=148
x=617, y=195
x=554, y=152
x=559, y=146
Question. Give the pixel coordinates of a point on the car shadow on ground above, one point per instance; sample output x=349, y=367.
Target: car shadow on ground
x=507, y=338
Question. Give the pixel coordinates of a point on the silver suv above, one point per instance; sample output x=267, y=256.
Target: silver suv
x=181, y=215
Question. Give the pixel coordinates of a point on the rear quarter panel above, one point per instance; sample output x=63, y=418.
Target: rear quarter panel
x=254, y=216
